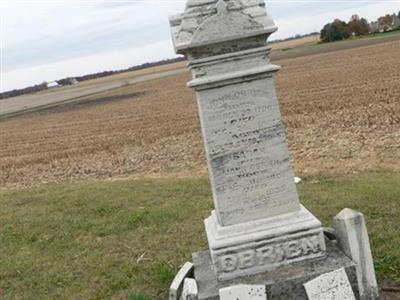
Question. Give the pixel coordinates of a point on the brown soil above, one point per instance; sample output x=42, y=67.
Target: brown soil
x=305, y=41
x=313, y=48
x=341, y=110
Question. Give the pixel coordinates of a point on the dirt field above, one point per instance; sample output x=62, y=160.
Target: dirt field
x=30, y=102
x=304, y=48
x=341, y=110
x=308, y=40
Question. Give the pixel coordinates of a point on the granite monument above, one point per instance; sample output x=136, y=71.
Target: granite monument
x=258, y=225
x=258, y=222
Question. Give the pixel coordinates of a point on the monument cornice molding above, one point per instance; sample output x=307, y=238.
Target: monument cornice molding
x=265, y=50
x=271, y=228
x=189, y=46
x=210, y=82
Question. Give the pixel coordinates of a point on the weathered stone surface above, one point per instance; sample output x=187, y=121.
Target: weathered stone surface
x=248, y=156
x=283, y=283
x=352, y=236
x=330, y=286
x=245, y=142
x=202, y=22
x=243, y=292
x=258, y=223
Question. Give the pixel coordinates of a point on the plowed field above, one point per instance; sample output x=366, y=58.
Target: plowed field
x=341, y=110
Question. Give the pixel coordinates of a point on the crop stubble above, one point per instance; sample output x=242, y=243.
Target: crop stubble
x=341, y=111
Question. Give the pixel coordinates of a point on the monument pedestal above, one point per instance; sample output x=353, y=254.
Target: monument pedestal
x=285, y=282
x=263, y=245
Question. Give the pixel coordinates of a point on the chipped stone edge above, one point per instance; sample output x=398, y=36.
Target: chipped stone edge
x=177, y=284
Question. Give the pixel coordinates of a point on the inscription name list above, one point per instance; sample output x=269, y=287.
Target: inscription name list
x=248, y=158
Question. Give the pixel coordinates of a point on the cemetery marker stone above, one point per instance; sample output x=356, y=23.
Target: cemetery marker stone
x=258, y=223
x=243, y=292
x=352, y=236
x=330, y=286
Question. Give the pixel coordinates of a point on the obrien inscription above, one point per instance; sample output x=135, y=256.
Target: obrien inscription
x=270, y=254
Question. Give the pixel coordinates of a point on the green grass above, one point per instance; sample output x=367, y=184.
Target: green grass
x=138, y=296
x=127, y=239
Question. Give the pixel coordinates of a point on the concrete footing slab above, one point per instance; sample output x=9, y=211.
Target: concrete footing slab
x=285, y=282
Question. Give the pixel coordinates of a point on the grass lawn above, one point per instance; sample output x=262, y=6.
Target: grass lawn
x=127, y=239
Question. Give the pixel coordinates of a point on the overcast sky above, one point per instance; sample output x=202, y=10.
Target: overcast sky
x=49, y=40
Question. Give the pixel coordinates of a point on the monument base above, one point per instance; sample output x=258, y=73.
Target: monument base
x=285, y=282
x=263, y=245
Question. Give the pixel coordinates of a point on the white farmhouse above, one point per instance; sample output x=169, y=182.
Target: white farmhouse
x=52, y=84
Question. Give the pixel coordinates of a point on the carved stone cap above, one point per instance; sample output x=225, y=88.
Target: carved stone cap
x=207, y=22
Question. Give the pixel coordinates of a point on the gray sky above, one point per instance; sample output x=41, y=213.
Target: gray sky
x=49, y=40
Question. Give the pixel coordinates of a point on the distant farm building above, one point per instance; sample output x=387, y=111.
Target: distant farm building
x=52, y=84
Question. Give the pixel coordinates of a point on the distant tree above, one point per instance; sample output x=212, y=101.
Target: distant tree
x=386, y=22
x=343, y=28
x=398, y=14
x=330, y=33
x=354, y=25
x=358, y=26
x=365, y=28
x=326, y=33
x=335, y=31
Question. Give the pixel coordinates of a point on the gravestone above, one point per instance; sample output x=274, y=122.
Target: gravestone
x=258, y=223
x=352, y=237
x=284, y=282
x=189, y=291
x=259, y=233
x=243, y=292
x=330, y=286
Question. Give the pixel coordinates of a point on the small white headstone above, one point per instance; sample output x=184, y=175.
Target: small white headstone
x=330, y=286
x=189, y=291
x=352, y=237
x=243, y=292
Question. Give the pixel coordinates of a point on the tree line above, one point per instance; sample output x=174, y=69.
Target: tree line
x=340, y=30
